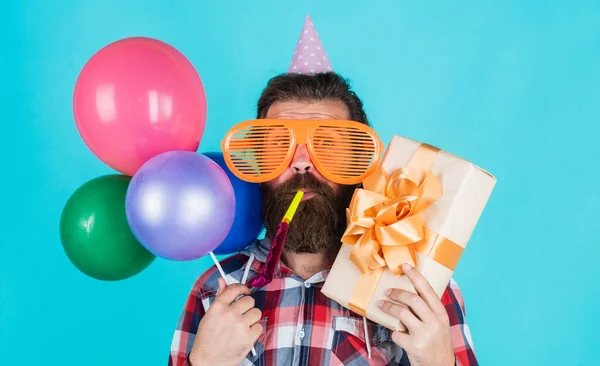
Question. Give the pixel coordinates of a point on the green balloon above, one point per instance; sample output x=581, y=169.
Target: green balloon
x=95, y=234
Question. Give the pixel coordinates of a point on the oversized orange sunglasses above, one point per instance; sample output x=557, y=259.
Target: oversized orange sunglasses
x=344, y=152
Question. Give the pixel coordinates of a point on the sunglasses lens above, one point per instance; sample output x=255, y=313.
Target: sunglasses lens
x=257, y=152
x=344, y=152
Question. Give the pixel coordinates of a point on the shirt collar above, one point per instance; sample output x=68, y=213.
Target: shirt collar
x=260, y=249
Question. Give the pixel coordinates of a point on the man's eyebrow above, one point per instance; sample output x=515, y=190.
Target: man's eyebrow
x=304, y=115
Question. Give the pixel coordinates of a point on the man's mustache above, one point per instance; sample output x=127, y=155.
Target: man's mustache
x=304, y=182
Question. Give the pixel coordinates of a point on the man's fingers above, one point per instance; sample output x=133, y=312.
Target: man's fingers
x=402, y=339
x=231, y=293
x=252, y=316
x=414, y=301
x=256, y=330
x=243, y=304
x=403, y=313
x=222, y=285
x=424, y=288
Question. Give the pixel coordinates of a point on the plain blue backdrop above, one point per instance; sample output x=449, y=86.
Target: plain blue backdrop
x=513, y=86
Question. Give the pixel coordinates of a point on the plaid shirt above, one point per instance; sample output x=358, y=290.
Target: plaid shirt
x=302, y=326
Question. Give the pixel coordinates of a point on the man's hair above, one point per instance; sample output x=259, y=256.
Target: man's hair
x=311, y=88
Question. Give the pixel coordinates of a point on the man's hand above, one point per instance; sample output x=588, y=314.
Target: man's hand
x=228, y=330
x=428, y=341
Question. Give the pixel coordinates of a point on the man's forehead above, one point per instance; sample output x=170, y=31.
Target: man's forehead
x=308, y=110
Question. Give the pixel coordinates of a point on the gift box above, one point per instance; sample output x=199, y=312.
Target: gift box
x=420, y=207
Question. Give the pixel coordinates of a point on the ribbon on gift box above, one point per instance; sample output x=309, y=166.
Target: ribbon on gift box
x=385, y=225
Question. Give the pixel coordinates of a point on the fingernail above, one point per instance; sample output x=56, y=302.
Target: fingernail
x=406, y=267
x=380, y=303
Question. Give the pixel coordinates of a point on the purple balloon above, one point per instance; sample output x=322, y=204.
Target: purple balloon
x=180, y=205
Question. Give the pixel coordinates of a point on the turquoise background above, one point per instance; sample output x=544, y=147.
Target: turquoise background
x=513, y=86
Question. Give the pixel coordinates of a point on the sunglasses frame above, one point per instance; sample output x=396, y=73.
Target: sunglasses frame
x=302, y=132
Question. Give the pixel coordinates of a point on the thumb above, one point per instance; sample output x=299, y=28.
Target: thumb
x=222, y=286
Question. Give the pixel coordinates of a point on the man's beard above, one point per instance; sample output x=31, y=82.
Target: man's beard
x=319, y=222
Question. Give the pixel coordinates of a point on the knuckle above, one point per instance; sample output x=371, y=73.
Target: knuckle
x=258, y=330
x=230, y=316
x=412, y=299
x=403, y=312
x=216, y=308
x=252, y=313
x=237, y=287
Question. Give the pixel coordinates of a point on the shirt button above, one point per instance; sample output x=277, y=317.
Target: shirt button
x=301, y=334
x=306, y=284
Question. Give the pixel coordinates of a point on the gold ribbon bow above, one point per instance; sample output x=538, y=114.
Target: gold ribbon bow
x=385, y=225
x=384, y=221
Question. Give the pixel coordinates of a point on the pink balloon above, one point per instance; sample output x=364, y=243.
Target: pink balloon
x=136, y=98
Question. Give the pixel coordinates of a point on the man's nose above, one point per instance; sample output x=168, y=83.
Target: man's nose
x=301, y=162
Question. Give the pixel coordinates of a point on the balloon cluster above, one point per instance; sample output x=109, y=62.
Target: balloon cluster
x=140, y=107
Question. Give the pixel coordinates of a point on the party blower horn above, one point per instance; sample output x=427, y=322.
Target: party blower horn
x=277, y=246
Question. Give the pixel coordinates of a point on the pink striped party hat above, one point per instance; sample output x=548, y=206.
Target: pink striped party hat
x=309, y=56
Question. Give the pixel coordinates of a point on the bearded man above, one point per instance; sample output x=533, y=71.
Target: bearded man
x=289, y=321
